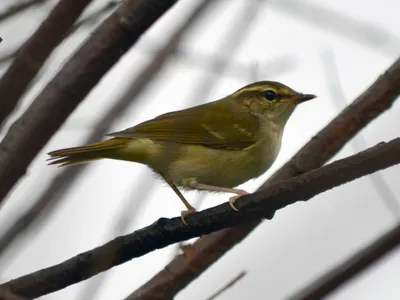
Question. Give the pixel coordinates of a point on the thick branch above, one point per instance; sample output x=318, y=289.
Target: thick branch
x=52, y=196
x=165, y=231
x=374, y=101
x=69, y=87
x=31, y=57
x=351, y=267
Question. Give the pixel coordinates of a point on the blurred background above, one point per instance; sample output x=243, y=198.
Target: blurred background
x=198, y=52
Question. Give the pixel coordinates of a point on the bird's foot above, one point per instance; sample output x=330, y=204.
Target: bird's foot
x=184, y=213
x=232, y=200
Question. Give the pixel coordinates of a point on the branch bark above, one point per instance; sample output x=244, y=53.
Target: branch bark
x=69, y=87
x=7, y=295
x=32, y=55
x=374, y=101
x=350, y=267
x=165, y=231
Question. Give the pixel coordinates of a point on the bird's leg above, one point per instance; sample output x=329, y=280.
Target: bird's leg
x=190, y=209
x=232, y=200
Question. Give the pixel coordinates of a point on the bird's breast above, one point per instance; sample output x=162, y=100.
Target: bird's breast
x=225, y=168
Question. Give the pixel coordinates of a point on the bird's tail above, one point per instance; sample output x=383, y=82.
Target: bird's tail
x=84, y=154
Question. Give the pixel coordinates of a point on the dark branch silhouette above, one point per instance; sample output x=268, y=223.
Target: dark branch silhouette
x=79, y=75
x=88, y=20
x=7, y=295
x=322, y=147
x=165, y=231
x=357, y=263
x=52, y=196
x=33, y=54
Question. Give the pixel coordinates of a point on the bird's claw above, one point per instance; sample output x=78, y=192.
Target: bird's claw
x=234, y=198
x=184, y=213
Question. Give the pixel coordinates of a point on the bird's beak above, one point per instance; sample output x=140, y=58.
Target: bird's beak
x=300, y=98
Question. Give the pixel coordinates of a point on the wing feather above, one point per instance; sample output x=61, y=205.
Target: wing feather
x=213, y=125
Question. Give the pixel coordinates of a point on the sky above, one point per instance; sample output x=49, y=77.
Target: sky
x=334, y=49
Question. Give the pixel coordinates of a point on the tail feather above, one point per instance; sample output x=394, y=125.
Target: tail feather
x=84, y=154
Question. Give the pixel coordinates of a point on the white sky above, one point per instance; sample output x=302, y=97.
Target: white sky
x=303, y=240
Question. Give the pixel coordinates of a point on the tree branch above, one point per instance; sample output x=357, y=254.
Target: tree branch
x=7, y=295
x=92, y=18
x=322, y=147
x=350, y=267
x=32, y=55
x=231, y=283
x=74, y=81
x=165, y=231
x=50, y=199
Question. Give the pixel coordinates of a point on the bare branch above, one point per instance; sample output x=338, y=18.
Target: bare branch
x=93, y=17
x=165, y=231
x=356, y=264
x=73, y=82
x=374, y=101
x=51, y=197
x=31, y=57
x=19, y=7
x=231, y=283
x=386, y=194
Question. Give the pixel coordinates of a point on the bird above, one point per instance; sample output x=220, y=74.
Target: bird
x=211, y=147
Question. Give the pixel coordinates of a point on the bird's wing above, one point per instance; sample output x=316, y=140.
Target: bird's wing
x=212, y=125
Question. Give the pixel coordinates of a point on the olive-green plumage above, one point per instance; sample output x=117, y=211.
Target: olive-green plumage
x=218, y=144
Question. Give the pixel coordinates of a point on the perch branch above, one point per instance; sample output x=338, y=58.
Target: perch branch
x=322, y=147
x=52, y=196
x=165, y=231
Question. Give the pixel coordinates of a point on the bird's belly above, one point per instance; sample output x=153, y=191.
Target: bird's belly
x=221, y=167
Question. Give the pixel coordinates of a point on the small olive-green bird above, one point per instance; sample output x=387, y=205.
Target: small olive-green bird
x=215, y=146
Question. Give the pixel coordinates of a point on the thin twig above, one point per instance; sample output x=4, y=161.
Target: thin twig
x=231, y=283
x=386, y=194
x=351, y=267
x=373, y=102
x=165, y=231
x=93, y=17
x=33, y=54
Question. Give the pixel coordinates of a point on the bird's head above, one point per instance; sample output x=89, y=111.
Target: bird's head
x=271, y=99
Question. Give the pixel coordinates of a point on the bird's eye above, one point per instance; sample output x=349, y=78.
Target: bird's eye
x=270, y=95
